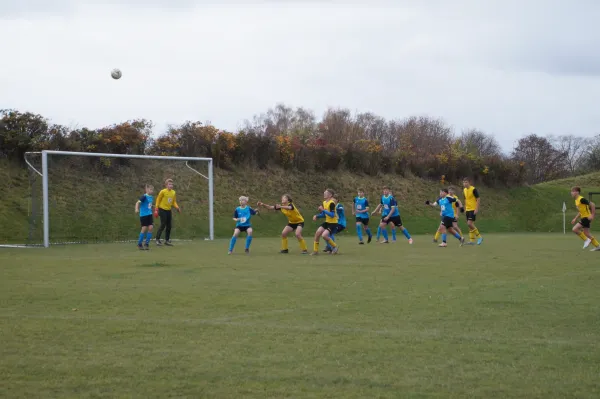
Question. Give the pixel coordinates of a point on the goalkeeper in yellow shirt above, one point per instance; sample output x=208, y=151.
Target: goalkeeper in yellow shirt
x=165, y=201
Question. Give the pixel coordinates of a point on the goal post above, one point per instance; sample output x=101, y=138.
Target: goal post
x=182, y=162
x=591, y=195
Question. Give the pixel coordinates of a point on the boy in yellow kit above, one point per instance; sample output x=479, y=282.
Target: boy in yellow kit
x=587, y=213
x=164, y=202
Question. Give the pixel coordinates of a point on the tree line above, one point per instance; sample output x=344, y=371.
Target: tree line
x=296, y=139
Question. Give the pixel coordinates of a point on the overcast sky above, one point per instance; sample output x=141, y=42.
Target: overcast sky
x=507, y=67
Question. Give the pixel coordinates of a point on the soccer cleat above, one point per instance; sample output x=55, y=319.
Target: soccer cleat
x=168, y=243
x=587, y=243
x=327, y=250
x=247, y=251
x=361, y=243
x=304, y=253
x=479, y=240
x=140, y=247
x=462, y=241
x=443, y=245
x=159, y=242
x=369, y=239
x=229, y=252
x=334, y=251
x=595, y=249
x=435, y=241
x=314, y=254
x=147, y=247
x=410, y=241
x=284, y=251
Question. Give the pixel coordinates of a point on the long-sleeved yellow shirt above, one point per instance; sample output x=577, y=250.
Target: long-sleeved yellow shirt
x=166, y=199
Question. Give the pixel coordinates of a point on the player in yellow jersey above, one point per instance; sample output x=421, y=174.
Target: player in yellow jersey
x=457, y=208
x=330, y=226
x=165, y=201
x=295, y=222
x=587, y=213
x=472, y=202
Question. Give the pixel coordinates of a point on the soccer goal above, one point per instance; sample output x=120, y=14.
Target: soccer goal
x=80, y=197
x=591, y=195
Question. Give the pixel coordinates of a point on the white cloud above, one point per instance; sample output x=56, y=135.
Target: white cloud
x=504, y=67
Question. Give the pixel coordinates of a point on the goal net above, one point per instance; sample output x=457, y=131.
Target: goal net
x=90, y=197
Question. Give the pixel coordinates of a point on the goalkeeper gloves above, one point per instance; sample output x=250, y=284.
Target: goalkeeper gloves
x=427, y=202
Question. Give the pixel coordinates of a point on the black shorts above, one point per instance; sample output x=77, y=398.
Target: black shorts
x=243, y=229
x=146, y=221
x=447, y=222
x=394, y=219
x=364, y=221
x=339, y=229
x=332, y=227
x=471, y=215
x=585, y=222
x=294, y=226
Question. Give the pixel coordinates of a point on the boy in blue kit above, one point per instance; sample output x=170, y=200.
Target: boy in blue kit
x=241, y=217
x=144, y=208
x=390, y=215
x=360, y=208
x=446, y=203
x=341, y=226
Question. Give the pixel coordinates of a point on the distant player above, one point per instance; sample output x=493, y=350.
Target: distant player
x=390, y=215
x=446, y=203
x=360, y=208
x=165, y=201
x=341, y=226
x=472, y=202
x=295, y=222
x=241, y=217
x=328, y=211
x=587, y=213
x=143, y=207
x=440, y=229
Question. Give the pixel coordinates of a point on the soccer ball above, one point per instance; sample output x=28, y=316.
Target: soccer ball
x=116, y=73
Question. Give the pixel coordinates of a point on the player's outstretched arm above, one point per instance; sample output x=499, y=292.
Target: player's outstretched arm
x=376, y=209
x=137, y=206
x=271, y=207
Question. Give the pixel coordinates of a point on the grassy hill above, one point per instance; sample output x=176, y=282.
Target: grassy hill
x=90, y=205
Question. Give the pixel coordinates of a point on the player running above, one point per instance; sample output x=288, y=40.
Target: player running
x=164, y=202
x=390, y=215
x=341, y=226
x=472, y=203
x=330, y=226
x=143, y=207
x=587, y=213
x=440, y=229
x=295, y=222
x=446, y=203
x=360, y=208
x=241, y=217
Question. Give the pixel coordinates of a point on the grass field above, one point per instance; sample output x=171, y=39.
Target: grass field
x=515, y=317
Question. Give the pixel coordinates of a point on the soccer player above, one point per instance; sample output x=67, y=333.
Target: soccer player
x=295, y=222
x=360, y=208
x=446, y=203
x=472, y=203
x=390, y=215
x=330, y=226
x=587, y=213
x=165, y=201
x=143, y=207
x=341, y=226
x=440, y=229
x=241, y=217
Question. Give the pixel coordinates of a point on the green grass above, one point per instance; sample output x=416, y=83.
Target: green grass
x=86, y=205
x=514, y=318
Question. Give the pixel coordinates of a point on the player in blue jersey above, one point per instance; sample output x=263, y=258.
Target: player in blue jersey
x=390, y=215
x=446, y=203
x=341, y=226
x=360, y=208
x=143, y=207
x=241, y=217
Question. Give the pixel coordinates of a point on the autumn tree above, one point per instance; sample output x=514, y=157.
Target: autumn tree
x=541, y=160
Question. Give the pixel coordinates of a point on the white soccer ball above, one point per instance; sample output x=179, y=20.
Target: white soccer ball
x=116, y=73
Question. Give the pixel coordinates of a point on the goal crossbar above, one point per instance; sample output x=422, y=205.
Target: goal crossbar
x=44, y=175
